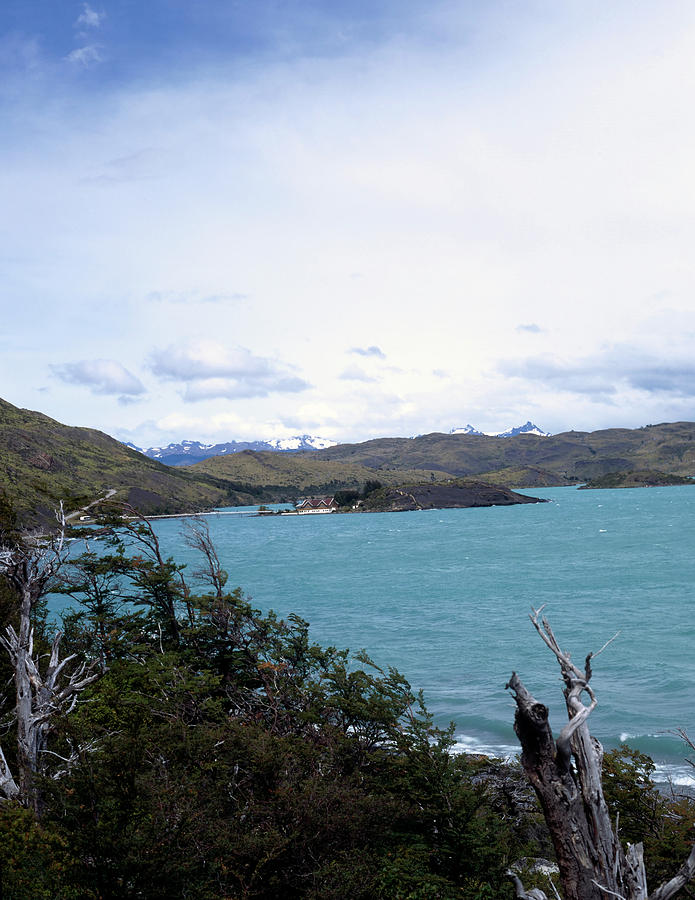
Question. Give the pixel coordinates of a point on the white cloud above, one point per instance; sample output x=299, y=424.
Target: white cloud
x=369, y=351
x=210, y=370
x=354, y=373
x=101, y=376
x=530, y=168
x=89, y=18
x=85, y=56
x=605, y=373
x=190, y=297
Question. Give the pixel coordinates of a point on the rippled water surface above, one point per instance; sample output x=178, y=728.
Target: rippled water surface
x=444, y=596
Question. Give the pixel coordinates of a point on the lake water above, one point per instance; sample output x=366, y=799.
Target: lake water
x=444, y=596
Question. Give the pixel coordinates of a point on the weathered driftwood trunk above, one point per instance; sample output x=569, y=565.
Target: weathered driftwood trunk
x=40, y=695
x=566, y=774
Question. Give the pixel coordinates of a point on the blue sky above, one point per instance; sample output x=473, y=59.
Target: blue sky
x=251, y=219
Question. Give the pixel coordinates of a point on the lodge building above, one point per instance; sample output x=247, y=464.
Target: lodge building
x=317, y=505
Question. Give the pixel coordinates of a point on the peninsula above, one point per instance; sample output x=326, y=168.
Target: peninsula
x=461, y=494
x=635, y=479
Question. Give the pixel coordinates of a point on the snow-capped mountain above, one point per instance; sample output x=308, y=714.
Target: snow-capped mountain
x=465, y=429
x=186, y=453
x=528, y=428
x=303, y=442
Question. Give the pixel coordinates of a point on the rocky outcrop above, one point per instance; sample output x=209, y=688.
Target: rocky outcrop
x=453, y=495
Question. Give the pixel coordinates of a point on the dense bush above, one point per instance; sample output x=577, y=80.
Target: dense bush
x=222, y=754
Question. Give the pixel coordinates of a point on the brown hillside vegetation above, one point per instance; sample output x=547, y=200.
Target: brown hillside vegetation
x=287, y=475
x=572, y=456
x=636, y=479
x=43, y=462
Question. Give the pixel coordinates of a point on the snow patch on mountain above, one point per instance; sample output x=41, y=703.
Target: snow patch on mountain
x=528, y=428
x=465, y=429
x=189, y=452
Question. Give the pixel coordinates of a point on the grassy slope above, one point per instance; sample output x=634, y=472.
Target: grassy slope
x=573, y=455
x=526, y=476
x=289, y=475
x=42, y=462
x=639, y=478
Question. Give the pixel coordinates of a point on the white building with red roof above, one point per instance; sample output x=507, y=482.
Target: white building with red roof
x=317, y=505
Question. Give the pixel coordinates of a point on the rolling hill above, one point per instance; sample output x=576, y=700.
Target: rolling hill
x=283, y=476
x=569, y=457
x=43, y=462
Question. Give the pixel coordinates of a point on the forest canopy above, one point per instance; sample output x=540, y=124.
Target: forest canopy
x=173, y=741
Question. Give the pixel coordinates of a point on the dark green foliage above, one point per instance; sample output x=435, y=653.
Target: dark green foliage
x=222, y=754
x=346, y=498
x=36, y=862
x=370, y=487
x=664, y=824
x=633, y=479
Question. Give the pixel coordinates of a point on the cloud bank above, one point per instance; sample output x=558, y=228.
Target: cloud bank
x=506, y=180
x=608, y=373
x=373, y=351
x=209, y=370
x=101, y=376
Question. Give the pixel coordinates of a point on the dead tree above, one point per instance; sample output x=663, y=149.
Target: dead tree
x=42, y=691
x=566, y=775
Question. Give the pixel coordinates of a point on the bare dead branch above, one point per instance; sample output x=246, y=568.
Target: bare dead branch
x=683, y=876
x=607, y=644
x=609, y=892
x=30, y=565
x=520, y=891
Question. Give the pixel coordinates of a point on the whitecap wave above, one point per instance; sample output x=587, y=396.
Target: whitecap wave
x=628, y=736
x=679, y=776
x=465, y=743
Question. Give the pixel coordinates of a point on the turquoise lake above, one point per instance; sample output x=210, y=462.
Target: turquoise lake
x=444, y=596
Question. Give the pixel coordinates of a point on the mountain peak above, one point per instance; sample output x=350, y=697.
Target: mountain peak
x=185, y=453
x=528, y=428
x=465, y=429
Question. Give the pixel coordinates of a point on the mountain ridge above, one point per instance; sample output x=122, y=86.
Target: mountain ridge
x=44, y=462
x=527, y=428
x=570, y=456
x=187, y=453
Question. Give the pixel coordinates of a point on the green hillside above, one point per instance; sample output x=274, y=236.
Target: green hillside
x=638, y=479
x=43, y=462
x=570, y=457
x=526, y=476
x=284, y=476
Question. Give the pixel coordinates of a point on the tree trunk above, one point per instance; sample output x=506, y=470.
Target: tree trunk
x=566, y=775
x=27, y=748
x=29, y=566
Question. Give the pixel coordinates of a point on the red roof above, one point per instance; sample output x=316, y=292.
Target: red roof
x=316, y=502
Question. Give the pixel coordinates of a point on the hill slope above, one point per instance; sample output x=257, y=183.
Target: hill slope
x=285, y=475
x=43, y=462
x=639, y=479
x=573, y=455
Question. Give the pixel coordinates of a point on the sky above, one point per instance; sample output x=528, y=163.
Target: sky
x=242, y=219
